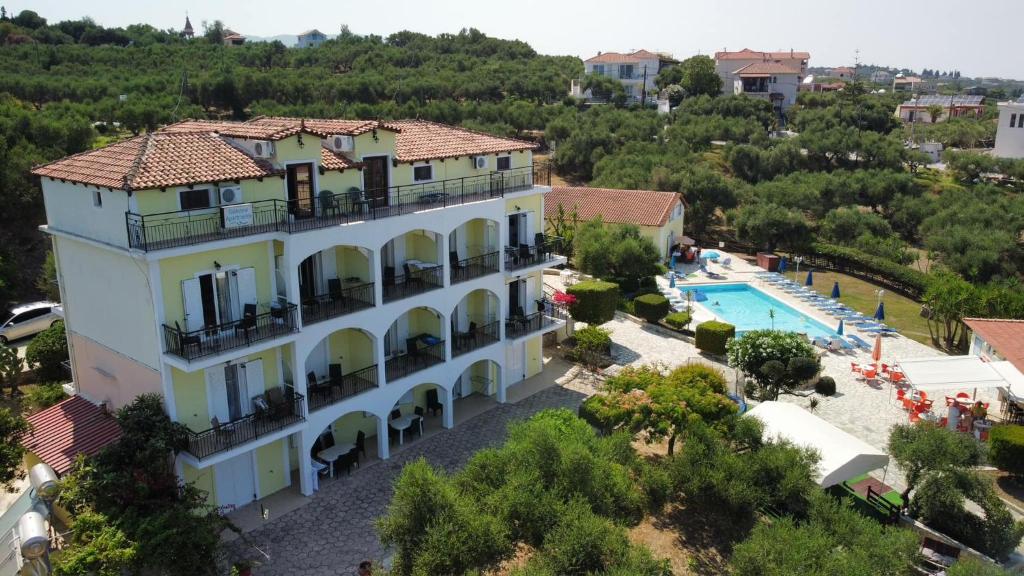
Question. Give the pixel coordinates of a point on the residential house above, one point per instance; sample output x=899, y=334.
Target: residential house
x=281, y=278
x=727, y=64
x=770, y=81
x=1010, y=130
x=997, y=340
x=659, y=215
x=232, y=38
x=881, y=77
x=635, y=70
x=956, y=106
x=901, y=83
x=311, y=39
x=842, y=72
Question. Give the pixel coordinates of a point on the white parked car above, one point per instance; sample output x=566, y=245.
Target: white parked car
x=28, y=320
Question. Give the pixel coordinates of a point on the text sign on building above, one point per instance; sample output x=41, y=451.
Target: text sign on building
x=237, y=215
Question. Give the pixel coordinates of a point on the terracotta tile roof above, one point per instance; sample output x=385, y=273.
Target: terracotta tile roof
x=250, y=130
x=422, y=140
x=65, y=430
x=640, y=207
x=631, y=57
x=158, y=160
x=765, y=68
x=331, y=160
x=747, y=54
x=1005, y=336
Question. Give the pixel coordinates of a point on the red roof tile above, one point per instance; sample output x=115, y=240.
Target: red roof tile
x=1005, y=336
x=631, y=57
x=331, y=160
x=747, y=54
x=422, y=140
x=72, y=427
x=765, y=68
x=639, y=207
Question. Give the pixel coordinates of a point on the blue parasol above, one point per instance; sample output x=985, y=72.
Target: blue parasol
x=782, y=265
x=698, y=296
x=672, y=281
x=835, y=289
x=672, y=262
x=839, y=330
x=880, y=311
x=810, y=278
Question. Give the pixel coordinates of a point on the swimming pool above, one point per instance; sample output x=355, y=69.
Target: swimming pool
x=748, y=308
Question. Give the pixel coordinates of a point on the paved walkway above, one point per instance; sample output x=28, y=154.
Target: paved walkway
x=336, y=531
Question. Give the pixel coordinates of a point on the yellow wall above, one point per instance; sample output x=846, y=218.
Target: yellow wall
x=351, y=262
x=534, y=356
x=190, y=390
x=346, y=427
x=354, y=348
x=422, y=320
x=157, y=201
x=420, y=246
x=531, y=203
x=270, y=465
x=203, y=479
x=174, y=270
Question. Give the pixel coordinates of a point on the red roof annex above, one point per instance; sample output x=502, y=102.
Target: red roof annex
x=72, y=427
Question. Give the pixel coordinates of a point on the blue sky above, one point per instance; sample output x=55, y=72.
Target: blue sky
x=980, y=38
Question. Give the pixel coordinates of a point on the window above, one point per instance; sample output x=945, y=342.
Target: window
x=31, y=315
x=625, y=71
x=194, y=199
x=504, y=162
x=97, y=199
x=598, y=69
x=422, y=173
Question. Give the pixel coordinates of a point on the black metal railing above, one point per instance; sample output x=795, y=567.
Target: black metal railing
x=334, y=390
x=337, y=303
x=414, y=361
x=474, y=267
x=218, y=338
x=189, y=227
x=472, y=339
x=517, y=326
x=417, y=282
x=526, y=255
x=247, y=428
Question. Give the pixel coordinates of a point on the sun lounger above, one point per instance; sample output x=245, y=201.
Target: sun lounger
x=858, y=342
x=820, y=342
x=839, y=344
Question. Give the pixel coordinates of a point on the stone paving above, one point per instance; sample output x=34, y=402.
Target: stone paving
x=333, y=533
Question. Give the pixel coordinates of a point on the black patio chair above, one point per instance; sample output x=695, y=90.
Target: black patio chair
x=248, y=321
x=328, y=204
x=334, y=291
x=185, y=340
x=433, y=404
x=417, y=423
x=410, y=279
x=412, y=349
x=360, y=443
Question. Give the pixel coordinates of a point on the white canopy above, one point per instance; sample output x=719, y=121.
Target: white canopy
x=951, y=372
x=843, y=456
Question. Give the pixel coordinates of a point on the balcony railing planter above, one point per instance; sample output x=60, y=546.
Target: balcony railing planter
x=417, y=282
x=190, y=227
x=334, y=390
x=518, y=326
x=247, y=428
x=419, y=359
x=545, y=249
x=474, y=267
x=338, y=303
x=475, y=338
x=218, y=338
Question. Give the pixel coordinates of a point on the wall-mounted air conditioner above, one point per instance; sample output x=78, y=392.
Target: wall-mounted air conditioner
x=230, y=194
x=263, y=149
x=479, y=162
x=341, y=143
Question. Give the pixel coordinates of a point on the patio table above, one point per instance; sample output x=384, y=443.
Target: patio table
x=402, y=423
x=333, y=453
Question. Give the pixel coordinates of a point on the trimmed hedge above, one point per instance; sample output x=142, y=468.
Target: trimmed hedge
x=846, y=259
x=595, y=301
x=826, y=386
x=711, y=336
x=651, y=307
x=46, y=352
x=594, y=339
x=1006, y=448
x=678, y=320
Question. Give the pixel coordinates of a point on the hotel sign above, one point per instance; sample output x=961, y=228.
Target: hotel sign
x=237, y=215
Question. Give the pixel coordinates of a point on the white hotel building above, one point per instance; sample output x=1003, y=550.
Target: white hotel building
x=281, y=278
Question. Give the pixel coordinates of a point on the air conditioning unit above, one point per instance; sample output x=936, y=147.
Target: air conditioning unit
x=341, y=143
x=479, y=162
x=263, y=149
x=230, y=194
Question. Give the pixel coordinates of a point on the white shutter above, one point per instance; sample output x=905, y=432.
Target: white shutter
x=530, y=295
x=216, y=393
x=254, y=378
x=530, y=228
x=246, y=282
x=192, y=297
x=491, y=236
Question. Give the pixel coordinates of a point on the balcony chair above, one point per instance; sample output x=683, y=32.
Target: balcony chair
x=412, y=349
x=410, y=279
x=328, y=204
x=358, y=204
x=469, y=335
x=335, y=377
x=360, y=444
x=453, y=263
x=346, y=461
x=389, y=276
x=543, y=249
x=223, y=432
x=417, y=423
x=525, y=255
x=334, y=291
x=186, y=340
x=433, y=404
x=393, y=434
x=248, y=321
x=280, y=402
x=315, y=387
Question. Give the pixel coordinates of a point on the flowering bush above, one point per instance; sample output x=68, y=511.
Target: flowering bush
x=759, y=347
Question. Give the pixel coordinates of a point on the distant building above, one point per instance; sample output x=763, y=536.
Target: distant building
x=311, y=39
x=809, y=86
x=881, y=77
x=917, y=109
x=187, y=31
x=770, y=81
x=903, y=83
x=635, y=70
x=232, y=38
x=728, y=63
x=842, y=72
x=1010, y=133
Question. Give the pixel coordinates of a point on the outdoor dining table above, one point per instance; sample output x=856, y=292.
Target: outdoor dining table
x=402, y=423
x=333, y=453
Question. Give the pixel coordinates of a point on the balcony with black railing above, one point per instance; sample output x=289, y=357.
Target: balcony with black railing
x=334, y=390
x=276, y=409
x=340, y=299
x=475, y=337
x=475, y=267
x=214, y=339
x=418, y=356
x=519, y=326
x=544, y=250
x=413, y=283
x=189, y=227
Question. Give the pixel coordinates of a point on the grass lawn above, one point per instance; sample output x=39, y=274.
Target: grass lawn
x=901, y=313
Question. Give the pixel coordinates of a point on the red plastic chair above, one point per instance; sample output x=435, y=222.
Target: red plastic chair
x=949, y=401
x=901, y=394
x=915, y=417
x=854, y=367
x=896, y=377
x=885, y=368
x=870, y=373
x=962, y=395
x=909, y=405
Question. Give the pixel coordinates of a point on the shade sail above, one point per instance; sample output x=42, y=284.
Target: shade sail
x=952, y=372
x=843, y=456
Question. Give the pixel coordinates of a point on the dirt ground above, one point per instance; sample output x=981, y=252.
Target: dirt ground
x=1008, y=488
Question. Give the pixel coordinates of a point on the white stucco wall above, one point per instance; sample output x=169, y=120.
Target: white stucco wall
x=1010, y=141
x=70, y=208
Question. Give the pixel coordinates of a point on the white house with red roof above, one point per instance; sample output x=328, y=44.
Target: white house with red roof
x=727, y=63
x=635, y=70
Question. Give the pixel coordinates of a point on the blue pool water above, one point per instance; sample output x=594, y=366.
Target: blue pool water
x=747, y=308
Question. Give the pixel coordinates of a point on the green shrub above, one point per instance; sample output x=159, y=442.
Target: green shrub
x=46, y=352
x=826, y=386
x=651, y=307
x=583, y=543
x=914, y=280
x=1006, y=448
x=594, y=339
x=712, y=336
x=595, y=301
x=45, y=395
x=679, y=320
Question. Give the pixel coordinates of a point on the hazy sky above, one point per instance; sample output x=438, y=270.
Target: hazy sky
x=980, y=38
